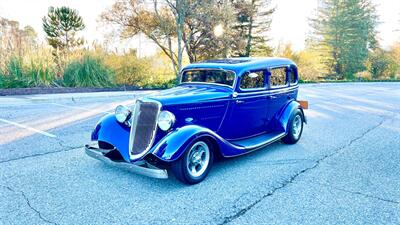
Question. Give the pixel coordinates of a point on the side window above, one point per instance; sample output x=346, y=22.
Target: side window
x=278, y=77
x=292, y=76
x=255, y=79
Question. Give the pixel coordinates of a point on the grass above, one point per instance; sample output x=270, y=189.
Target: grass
x=88, y=72
x=14, y=75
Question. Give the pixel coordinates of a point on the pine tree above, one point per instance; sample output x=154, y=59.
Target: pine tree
x=346, y=32
x=253, y=23
x=61, y=25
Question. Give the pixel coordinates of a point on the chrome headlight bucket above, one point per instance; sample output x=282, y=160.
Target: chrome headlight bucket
x=165, y=120
x=122, y=113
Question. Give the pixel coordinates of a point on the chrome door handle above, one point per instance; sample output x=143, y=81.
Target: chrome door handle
x=239, y=101
x=271, y=97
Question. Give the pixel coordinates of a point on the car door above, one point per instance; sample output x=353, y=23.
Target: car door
x=248, y=107
x=278, y=91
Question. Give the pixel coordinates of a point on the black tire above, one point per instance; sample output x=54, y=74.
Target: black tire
x=180, y=167
x=294, y=134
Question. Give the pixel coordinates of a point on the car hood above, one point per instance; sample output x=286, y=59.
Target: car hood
x=194, y=93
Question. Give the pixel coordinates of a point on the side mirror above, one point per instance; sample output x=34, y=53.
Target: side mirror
x=253, y=75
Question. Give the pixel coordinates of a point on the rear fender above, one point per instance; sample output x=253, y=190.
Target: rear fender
x=287, y=113
x=109, y=130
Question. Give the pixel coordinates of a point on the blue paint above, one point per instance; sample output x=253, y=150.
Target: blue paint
x=111, y=131
x=221, y=113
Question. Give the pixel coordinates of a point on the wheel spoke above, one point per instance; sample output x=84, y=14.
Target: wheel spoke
x=193, y=170
x=297, y=126
x=198, y=159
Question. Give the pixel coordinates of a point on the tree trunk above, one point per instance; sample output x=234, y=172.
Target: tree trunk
x=249, y=34
x=180, y=21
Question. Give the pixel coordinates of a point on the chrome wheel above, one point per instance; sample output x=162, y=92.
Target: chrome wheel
x=198, y=159
x=297, y=126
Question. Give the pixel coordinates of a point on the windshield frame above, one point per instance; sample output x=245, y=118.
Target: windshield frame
x=197, y=82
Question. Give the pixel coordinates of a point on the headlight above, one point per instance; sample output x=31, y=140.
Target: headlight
x=165, y=120
x=122, y=113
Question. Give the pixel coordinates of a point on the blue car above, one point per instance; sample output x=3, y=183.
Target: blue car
x=221, y=108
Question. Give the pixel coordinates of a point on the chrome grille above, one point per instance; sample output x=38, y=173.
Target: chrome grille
x=143, y=127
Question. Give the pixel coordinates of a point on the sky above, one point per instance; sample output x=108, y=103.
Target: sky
x=290, y=20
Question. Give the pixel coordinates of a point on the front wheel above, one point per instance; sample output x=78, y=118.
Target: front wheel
x=195, y=164
x=295, y=128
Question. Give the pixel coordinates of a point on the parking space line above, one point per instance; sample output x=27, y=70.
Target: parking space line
x=28, y=128
x=80, y=108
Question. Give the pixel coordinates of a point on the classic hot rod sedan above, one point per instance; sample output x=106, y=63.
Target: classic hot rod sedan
x=223, y=108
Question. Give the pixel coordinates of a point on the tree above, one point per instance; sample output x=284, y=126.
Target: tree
x=179, y=9
x=253, y=21
x=286, y=51
x=61, y=25
x=12, y=37
x=345, y=31
x=29, y=35
x=157, y=23
x=179, y=25
x=200, y=41
x=15, y=41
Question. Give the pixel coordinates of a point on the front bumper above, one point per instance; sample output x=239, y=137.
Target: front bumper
x=141, y=167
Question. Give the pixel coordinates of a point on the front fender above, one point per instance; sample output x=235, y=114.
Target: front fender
x=174, y=144
x=109, y=130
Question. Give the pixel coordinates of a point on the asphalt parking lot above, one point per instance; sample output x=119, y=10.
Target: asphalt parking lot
x=344, y=170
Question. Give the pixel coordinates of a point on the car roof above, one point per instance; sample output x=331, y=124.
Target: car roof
x=241, y=64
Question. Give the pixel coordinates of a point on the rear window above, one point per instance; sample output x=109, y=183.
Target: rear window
x=209, y=76
x=292, y=76
x=278, y=77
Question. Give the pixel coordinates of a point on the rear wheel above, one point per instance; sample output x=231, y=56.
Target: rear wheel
x=295, y=128
x=195, y=163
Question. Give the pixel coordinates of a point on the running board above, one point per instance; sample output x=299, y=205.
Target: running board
x=259, y=141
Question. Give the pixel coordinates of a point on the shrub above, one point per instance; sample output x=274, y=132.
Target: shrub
x=310, y=66
x=148, y=72
x=381, y=65
x=87, y=72
x=162, y=85
x=363, y=75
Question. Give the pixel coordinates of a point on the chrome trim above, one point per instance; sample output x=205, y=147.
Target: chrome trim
x=271, y=91
x=134, y=116
x=279, y=66
x=259, y=145
x=141, y=167
x=209, y=83
x=134, y=127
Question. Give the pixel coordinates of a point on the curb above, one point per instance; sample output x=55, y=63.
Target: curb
x=70, y=97
x=65, y=90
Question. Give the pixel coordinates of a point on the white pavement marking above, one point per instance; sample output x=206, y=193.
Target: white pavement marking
x=80, y=108
x=28, y=128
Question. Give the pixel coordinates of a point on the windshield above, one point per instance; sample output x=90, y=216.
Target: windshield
x=209, y=76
